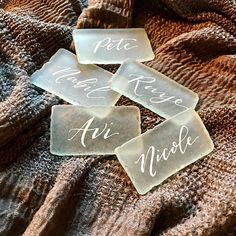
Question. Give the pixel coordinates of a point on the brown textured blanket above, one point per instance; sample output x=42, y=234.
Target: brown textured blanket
x=41, y=194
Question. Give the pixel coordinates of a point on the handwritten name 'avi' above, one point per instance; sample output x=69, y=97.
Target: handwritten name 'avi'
x=94, y=133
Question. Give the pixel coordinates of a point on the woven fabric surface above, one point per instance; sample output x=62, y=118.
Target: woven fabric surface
x=41, y=194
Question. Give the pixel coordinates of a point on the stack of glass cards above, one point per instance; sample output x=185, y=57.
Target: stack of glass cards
x=93, y=125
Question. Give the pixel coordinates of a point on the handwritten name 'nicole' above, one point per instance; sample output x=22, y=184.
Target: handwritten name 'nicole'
x=142, y=83
x=155, y=155
x=89, y=85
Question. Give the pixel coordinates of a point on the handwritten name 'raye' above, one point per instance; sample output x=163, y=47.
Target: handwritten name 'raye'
x=144, y=83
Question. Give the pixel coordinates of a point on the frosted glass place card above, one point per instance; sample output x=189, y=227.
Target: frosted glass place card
x=78, y=84
x=112, y=46
x=157, y=154
x=152, y=89
x=77, y=130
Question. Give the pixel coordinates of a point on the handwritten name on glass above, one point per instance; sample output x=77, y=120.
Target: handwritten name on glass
x=77, y=84
x=159, y=153
x=152, y=89
x=77, y=130
x=112, y=46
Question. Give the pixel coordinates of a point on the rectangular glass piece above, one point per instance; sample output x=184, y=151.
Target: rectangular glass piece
x=77, y=130
x=152, y=89
x=78, y=84
x=157, y=154
x=112, y=46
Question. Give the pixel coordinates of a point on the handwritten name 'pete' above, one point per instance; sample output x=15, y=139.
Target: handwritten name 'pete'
x=116, y=44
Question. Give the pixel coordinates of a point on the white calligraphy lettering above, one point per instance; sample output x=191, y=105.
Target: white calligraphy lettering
x=117, y=44
x=162, y=97
x=88, y=85
x=86, y=127
x=156, y=155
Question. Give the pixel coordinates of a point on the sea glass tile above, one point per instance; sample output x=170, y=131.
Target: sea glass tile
x=78, y=84
x=152, y=157
x=152, y=89
x=112, y=46
x=77, y=130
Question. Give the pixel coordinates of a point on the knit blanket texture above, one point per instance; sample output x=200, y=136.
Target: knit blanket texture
x=194, y=43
